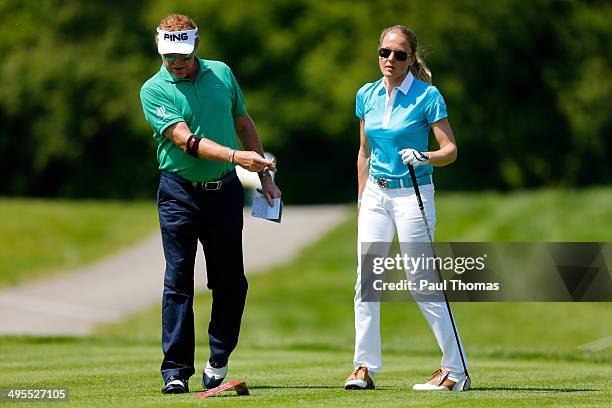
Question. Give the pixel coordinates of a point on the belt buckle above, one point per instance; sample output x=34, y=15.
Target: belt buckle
x=212, y=185
x=382, y=183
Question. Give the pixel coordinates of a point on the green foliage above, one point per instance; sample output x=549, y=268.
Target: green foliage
x=528, y=86
x=69, y=100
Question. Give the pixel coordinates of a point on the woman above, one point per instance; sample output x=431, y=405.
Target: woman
x=395, y=115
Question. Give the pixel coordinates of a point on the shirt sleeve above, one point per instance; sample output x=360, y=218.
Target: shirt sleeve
x=158, y=109
x=435, y=107
x=359, y=104
x=238, y=105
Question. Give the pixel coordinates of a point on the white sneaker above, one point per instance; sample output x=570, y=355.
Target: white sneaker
x=212, y=376
x=439, y=381
x=360, y=379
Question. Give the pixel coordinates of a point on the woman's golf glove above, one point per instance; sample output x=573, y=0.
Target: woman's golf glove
x=413, y=157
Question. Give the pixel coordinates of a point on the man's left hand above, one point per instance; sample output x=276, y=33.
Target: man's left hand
x=270, y=190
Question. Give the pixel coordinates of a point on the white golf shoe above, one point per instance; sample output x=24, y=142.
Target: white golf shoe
x=439, y=381
x=213, y=376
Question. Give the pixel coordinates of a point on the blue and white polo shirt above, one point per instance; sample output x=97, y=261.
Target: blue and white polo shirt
x=398, y=121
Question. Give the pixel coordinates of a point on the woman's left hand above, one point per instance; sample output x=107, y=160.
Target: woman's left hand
x=414, y=157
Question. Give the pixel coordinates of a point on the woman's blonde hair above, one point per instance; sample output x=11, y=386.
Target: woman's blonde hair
x=418, y=69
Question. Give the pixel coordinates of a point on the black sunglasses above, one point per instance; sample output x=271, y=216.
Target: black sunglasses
x=399, y=55
x=183, y=57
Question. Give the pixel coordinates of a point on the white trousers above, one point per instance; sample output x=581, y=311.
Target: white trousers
x=382, y=212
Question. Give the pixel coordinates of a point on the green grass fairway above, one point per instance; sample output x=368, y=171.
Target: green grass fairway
x=103, y=374
x=297, y=339
x=546, y=215
x=42, y=237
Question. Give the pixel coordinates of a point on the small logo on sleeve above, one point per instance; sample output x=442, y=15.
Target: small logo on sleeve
x=161, y=112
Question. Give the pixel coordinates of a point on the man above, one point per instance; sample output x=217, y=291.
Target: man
x=196, y=109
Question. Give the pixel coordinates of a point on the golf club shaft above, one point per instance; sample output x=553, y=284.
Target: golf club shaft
x=450, y=313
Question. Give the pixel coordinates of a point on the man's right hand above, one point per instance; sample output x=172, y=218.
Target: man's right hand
x=252, y=161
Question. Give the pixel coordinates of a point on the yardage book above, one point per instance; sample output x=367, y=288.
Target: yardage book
x=261, y=209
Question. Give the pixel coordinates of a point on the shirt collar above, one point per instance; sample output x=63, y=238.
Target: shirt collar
x=167, y=76
x=404, y=86
x=406, y=83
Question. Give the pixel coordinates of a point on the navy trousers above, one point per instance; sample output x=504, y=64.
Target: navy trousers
x=214, y=217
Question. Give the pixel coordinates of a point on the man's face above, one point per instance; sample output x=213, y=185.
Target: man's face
x=179, y=65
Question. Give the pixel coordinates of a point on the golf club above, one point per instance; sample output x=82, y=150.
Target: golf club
x=467, y=382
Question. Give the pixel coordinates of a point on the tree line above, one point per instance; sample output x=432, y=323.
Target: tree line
x=528, y=87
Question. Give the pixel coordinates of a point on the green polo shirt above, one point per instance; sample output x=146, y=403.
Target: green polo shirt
x=208, y=105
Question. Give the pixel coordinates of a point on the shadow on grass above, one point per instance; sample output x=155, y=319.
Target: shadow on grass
x=283, y=387
x=522, y=389
x=529, y=389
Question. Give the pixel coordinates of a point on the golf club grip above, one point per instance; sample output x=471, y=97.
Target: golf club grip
x=416, y=186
